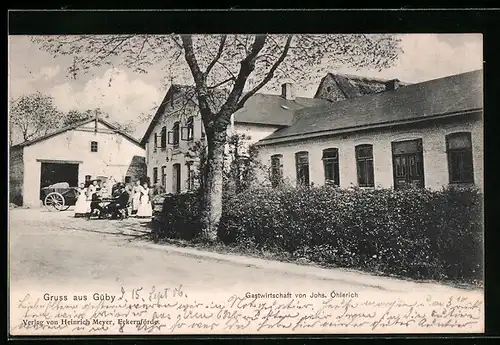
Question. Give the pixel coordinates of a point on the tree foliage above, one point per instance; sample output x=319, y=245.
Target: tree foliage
x=33, y=115
x=241, y=163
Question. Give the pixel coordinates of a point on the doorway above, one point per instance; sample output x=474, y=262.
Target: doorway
x=51, y=173
x=176, y=175
x=408, y=163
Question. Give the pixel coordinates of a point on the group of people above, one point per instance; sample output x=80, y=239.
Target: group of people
x=121, y=200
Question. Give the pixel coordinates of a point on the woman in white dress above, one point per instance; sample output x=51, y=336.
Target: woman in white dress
x=91, y=190
x=145, y=210
x=81, y=206
x=136, y=196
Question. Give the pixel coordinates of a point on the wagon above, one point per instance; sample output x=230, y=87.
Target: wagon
x=59, y=196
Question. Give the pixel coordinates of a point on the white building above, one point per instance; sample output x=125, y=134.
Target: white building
x=73, y=154
x=177, y=125
x=428, y=134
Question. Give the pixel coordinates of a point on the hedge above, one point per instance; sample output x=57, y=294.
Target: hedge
x=416, y=233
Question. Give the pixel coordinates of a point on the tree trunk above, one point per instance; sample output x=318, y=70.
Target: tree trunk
x=211, y=193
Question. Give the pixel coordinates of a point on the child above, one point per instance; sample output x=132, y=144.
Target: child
x=95, y=205
x=81, y=206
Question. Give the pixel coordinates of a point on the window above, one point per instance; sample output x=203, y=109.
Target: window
x=155, y=143
x=190, y=128
x=164, y=176
x=155, y=175
x=407, y=161
x=302, y=166
x=87, y=178
x=460, y=162
x=128, y=179
x=276, y=170
x=364, y=165
x=187, y=133
x=163, y=138
x=173, y=136
x=331, y=166
x=93, y=146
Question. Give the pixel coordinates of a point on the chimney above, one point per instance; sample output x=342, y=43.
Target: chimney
x=287, y=91
x=393, y=84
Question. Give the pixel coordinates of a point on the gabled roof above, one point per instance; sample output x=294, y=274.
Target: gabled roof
x=74, y=126
x=445, y=96
x=159, y=112
x=353, y=86
x=260, y=109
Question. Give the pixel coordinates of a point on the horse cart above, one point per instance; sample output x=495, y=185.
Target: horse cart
x=59, y=196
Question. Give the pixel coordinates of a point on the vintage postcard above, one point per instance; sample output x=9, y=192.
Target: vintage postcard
x=245, y=184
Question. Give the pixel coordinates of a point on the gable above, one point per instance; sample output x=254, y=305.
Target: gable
x=85, y=125
x=260, y=109
x=339, y=87
x=91, y=125
x=329, y=90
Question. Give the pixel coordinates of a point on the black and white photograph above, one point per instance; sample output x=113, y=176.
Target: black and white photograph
x=245, y=184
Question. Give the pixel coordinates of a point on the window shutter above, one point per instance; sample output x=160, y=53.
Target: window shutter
x=156, y=141
x=163, y=139
x=184, y=134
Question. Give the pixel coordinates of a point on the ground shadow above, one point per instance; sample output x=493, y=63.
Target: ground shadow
x=131, y=228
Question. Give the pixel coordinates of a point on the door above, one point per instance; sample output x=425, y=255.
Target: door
x=408, y=163
x=176, y=176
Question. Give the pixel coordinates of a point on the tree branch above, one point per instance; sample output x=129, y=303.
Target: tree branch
x=247, y=67
x=227, y=70
x=219, y=53
x=112, y=50
x=198, y=75
x=269, y=75
x=221, y=83
x=187, y=43
x=175, y=41
x=142, y=47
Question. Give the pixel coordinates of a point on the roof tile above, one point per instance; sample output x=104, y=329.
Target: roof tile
x=453, y=94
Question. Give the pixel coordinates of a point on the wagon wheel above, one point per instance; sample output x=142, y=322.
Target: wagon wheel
x=55, y=201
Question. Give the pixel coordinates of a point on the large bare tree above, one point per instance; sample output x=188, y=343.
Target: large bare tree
x=239, y=64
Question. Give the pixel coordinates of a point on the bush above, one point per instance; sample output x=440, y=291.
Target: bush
x=416, y=233
x=179, y=217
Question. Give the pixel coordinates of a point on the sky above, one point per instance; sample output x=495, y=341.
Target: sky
x=126, y=95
